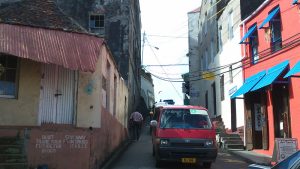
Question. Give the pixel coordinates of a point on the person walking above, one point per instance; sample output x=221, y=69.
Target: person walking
x=136, y=120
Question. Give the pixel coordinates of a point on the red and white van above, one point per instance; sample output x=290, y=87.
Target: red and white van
x=183, y=134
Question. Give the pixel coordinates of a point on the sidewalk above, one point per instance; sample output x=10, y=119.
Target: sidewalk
x=121, y=149
x=252, y=157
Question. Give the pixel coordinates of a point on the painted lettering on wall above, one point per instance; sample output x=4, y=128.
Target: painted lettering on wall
x=51, y=144
x=75, y=141
x=48, y=144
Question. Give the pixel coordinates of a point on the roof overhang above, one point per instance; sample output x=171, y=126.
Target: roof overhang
x=71, y=50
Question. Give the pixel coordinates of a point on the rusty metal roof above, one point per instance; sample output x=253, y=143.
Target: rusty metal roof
x=38, y=13
x=71, y=50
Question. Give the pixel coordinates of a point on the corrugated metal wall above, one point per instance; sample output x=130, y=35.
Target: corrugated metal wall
x=57, y=95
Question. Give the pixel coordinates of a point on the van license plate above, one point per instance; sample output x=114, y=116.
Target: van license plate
x=188, y=160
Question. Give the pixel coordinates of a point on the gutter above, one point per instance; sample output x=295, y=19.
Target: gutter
x=250, y=17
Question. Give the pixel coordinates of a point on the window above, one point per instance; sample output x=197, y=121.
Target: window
x=115, y=95
x=253, y=45
x=104, y=91
x=230, y=25
x=275, y=26
x=108, y=85
x=230, y=74
x=213, y=88
x=220, y=38
x=212, y=49
x=8, y=76
x=96, y=21
x=207, y=58
x=202, y=63
x=206, y=99
x=185, y=118
x=222, y=89
x=205, y=27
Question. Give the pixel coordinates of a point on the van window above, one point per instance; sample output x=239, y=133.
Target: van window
x=185, y=118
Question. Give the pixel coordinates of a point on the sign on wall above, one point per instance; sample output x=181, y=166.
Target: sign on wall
x=258, y=117
x=284, y=147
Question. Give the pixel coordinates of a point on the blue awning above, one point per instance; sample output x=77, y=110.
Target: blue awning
x=295, y=2
x=270, y=17
x=249, y=83
x=271, y=76
x=250, y=31
x=294, y=70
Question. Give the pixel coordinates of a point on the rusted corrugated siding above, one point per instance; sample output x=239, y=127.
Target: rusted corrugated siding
x=71, y=50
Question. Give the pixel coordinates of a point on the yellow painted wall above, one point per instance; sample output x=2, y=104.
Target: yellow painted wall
x=89, y=98
x=23, y=110
x=90, y=93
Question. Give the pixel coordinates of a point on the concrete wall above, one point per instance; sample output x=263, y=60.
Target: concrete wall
x=24, y=109
x=193, y=54
x=207, y=39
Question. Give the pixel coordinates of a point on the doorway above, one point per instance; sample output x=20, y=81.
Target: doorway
x=257, y=135
x=56, y=95
x=281, y=113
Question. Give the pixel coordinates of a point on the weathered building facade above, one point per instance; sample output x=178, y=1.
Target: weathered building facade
x=147, y=89
x=203, y=89
x=120, y=24
x=61, y=93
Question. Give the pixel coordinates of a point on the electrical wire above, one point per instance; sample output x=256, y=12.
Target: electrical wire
x=163, y=68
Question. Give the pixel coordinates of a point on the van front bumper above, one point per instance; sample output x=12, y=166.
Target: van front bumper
x=177, y=154
x=181, y=149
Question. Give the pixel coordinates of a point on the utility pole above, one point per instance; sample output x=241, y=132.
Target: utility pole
x=143, y=45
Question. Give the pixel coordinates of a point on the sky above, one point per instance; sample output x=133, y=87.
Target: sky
x=165, y=24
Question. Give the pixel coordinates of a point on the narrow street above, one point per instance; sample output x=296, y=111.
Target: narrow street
x=139, y=156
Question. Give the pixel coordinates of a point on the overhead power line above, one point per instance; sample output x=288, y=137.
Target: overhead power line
x=166, y=36
x=166, y=65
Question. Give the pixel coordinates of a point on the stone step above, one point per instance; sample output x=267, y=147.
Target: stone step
x=13, y=166
x=234, y=146
x=11, y=149
x=12, y=158
x=233, y=142
x=10, y=140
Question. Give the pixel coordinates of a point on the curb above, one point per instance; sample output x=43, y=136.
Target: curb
x=116, y=154
x=247, y=160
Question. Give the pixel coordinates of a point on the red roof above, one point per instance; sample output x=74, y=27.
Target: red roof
x=195, y=10
x=71, y=50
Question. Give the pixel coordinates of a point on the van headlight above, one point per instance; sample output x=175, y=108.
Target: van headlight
x=164, y=142
x=209, y=143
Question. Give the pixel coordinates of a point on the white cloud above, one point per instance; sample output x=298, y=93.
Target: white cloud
x=166, y=18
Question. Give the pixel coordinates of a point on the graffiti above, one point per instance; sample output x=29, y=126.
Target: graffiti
x=89, y=87
x=76, y=141
x=50, y=144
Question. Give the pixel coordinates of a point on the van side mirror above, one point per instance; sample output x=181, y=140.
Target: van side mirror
x=153, y=123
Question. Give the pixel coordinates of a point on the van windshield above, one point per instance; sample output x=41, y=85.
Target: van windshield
x=185, y=119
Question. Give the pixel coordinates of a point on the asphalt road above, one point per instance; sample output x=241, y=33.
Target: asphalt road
x=139, y=156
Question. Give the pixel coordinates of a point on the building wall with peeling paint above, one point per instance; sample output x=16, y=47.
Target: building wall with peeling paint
x=96, y=132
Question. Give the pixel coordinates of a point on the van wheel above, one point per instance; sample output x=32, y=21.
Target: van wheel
x=207, y=164
x=153, y=151
x=158, y=162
